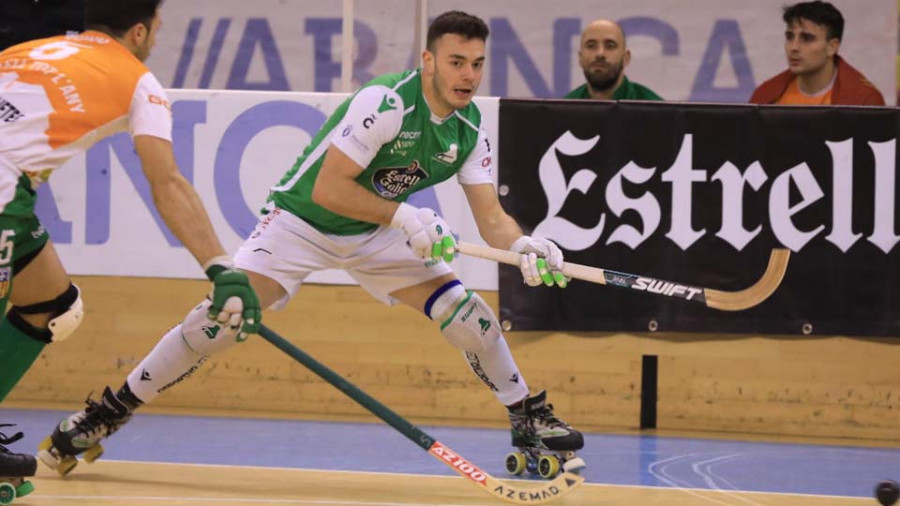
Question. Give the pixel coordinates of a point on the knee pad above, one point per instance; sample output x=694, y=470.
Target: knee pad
x=472, y=327
x=205, y=336
x=66, y=313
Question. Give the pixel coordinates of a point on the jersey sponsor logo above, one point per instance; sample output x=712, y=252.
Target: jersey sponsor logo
x=36, y=233
x=405, y=141
x=160, y=101
x=448, y=157
x=64, y=83
x=387, y=104
x=5, y=279
x=486, y=162
x=347, y=131
x=9, y=112
x=369, y=121
x=391, y=182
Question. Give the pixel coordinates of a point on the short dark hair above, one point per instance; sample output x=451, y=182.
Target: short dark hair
x=116, y=17
x=459, y=23
x=820, y=13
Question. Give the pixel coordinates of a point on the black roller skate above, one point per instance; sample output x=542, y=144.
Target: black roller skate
x=14, y=468
x=536, y=430
x=82, y=432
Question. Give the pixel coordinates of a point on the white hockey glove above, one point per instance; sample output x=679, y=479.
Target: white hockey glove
x=541, y=261
x=429, y=236
x=233, y=300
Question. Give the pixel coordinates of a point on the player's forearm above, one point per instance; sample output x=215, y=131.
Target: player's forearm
x=346, y=197
x=183, y=211
x=499, y=230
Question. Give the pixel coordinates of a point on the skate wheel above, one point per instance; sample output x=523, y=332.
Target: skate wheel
x=93, y=453
x=45, y=444
x=24, y=489
x=515, y=463
x=574, y=465
x=66, y=464
x=7, y=493
x=531, y=465
x=548, y=466
x=46, y=457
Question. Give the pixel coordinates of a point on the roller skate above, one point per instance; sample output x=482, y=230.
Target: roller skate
x=14, y=468
x=546, y=444
x=82, y=432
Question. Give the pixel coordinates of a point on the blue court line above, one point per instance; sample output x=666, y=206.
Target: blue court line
x=654, y=461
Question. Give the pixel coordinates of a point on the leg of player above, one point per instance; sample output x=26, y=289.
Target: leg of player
x=180, y=352
x=469, y=324
x=46, y=308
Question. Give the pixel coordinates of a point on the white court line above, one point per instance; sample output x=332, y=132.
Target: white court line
x=670, y=480
x=695, y=491
x=709, y=478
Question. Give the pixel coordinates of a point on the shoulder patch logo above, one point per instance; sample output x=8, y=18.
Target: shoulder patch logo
x=387, y=104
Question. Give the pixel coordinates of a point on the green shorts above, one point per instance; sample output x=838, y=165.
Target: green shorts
x=22, y=236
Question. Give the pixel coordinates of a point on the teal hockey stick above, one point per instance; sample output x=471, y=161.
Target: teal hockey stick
x=564, y=483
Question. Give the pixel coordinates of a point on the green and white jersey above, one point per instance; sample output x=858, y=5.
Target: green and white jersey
x=388, y=128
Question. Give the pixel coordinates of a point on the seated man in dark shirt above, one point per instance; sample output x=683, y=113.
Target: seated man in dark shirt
x=603, y=56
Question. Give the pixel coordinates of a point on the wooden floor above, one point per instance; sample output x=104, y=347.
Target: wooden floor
x=139, y=484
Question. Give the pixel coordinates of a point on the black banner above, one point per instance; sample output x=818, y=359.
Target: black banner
x=700, y=194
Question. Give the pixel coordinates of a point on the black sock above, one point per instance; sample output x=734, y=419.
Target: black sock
x=126, y=397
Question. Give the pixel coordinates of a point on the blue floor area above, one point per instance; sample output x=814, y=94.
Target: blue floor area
x=613, y=459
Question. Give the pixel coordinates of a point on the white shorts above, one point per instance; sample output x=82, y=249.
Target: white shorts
x=287, y=249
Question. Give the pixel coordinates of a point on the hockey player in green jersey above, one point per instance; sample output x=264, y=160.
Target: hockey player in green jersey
x=342, y=206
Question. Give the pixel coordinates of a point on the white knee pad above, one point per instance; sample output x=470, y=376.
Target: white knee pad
x=66, y=312
x=62, y=325
x=472, y=326
x=205, y=336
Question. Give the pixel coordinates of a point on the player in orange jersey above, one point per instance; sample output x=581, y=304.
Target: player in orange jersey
x=58, y=96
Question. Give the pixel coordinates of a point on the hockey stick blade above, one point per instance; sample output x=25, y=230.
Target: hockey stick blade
x=546, y=492
x=717, y=299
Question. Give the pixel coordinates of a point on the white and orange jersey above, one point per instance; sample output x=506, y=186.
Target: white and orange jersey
x=58, y=96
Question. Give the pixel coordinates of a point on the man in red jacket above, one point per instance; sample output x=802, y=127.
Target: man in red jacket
x=816, y=75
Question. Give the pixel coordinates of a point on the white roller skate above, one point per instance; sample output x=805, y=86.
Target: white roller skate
x=82, y=432
x=546, y=444
x=14, y=468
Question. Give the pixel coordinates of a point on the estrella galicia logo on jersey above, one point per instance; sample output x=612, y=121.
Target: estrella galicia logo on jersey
x=387, y=104
x=391, y=182
x=448, y=157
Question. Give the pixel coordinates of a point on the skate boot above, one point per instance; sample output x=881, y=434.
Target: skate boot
x=82, y=432
x=14, y=468
x=545, y=442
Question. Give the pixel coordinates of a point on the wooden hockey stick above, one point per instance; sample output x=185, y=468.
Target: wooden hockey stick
x=716, y=299
x=564, y=483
